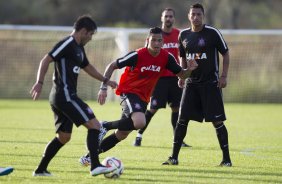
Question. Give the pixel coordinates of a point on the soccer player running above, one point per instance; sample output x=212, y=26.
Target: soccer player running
x=143, y=69
x=69, y=56
x=167, y=90
x=202, y=98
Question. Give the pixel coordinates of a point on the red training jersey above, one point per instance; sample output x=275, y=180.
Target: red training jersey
x=143, y=71
x=171, y=45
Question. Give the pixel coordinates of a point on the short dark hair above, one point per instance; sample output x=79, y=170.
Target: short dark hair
x=197, y=5
x=155, y=30
x=85, y=21
x=169, y=9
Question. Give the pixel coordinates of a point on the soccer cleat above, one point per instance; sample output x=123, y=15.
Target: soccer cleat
x=6, y=171
x=138, y=141
x=103, y=132
x=102, y=170
x=41, y=173
x=185, y=145
x=225, y=163
x=85, y=160
x=170, y=161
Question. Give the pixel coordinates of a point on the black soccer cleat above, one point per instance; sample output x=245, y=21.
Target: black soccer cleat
x=185, y=145
x=170, y=161
x=138, y=141
x=41, y=173
x=225, y=163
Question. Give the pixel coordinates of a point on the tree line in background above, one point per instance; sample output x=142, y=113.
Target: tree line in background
x=225, y=14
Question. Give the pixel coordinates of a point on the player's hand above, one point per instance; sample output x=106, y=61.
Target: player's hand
x=36, y=90
x=102, y=95
x=112, y=84
x=192, y=64
x=222, y=82
x=181, y=83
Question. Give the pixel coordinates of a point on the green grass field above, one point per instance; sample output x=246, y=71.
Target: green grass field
x=255, y=140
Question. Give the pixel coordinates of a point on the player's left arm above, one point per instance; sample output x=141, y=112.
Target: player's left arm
x=91, y=70
x=180, y=72
x=222, y=83
x=102, y=94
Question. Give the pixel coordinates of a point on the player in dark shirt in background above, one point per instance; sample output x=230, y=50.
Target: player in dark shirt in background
x=202, y=95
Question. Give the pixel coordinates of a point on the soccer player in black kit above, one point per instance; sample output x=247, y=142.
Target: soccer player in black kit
x=202, y=95
x=69, y=57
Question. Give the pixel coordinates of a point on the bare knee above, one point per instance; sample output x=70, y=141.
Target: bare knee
x=138, y=119
x=121, y=135
x=64, y=137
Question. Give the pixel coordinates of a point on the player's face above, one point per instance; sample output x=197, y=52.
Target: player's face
x=167, y=19
x=196, y=16
x=86, y=37
x=155, y=43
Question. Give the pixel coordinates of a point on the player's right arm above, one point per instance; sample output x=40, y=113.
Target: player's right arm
x=42, y=70
x=183, y=64
x=129, y=59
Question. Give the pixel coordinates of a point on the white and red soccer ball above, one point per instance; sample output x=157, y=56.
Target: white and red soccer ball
x=113, y=162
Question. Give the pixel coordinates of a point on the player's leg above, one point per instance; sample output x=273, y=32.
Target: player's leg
x=158, y=101
x=64, y=129
x=190, y=109
x=113, y=139
x=138, y=119
x=148, y=115
x=173, y=100
x=134, y=118
x=96, y=168
x=222, y=136
x=214, y=110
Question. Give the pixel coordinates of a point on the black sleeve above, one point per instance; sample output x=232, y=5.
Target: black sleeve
x=172, y=64
x=129, y=59
x=220, y=42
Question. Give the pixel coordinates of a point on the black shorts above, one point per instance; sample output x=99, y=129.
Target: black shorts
x=132, y=103
x=67, y=113
x=166, y=91
x=202, y=102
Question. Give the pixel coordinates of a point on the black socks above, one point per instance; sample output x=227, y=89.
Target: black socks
x=50, y=151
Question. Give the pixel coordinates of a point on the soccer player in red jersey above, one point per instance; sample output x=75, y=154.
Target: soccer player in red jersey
x=143, y=69
x=167, y=90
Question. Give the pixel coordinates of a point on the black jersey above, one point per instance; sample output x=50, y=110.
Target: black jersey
x=203, y=46
x=69, y=57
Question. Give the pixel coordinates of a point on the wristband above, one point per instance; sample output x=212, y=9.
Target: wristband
x=105, y=80
x=103, y=88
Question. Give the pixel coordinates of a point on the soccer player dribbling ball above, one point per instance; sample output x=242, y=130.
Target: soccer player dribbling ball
x=69, y=57
x=143, y=69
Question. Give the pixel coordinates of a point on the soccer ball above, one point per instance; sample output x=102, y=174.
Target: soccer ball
x=113, y=162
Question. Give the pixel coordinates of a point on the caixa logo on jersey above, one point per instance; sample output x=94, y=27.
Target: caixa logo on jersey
x=76, y=69
x=153, y=68
x=196, y=56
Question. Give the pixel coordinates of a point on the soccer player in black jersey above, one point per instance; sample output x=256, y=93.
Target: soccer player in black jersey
x=69, y=57
x=202, y=95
